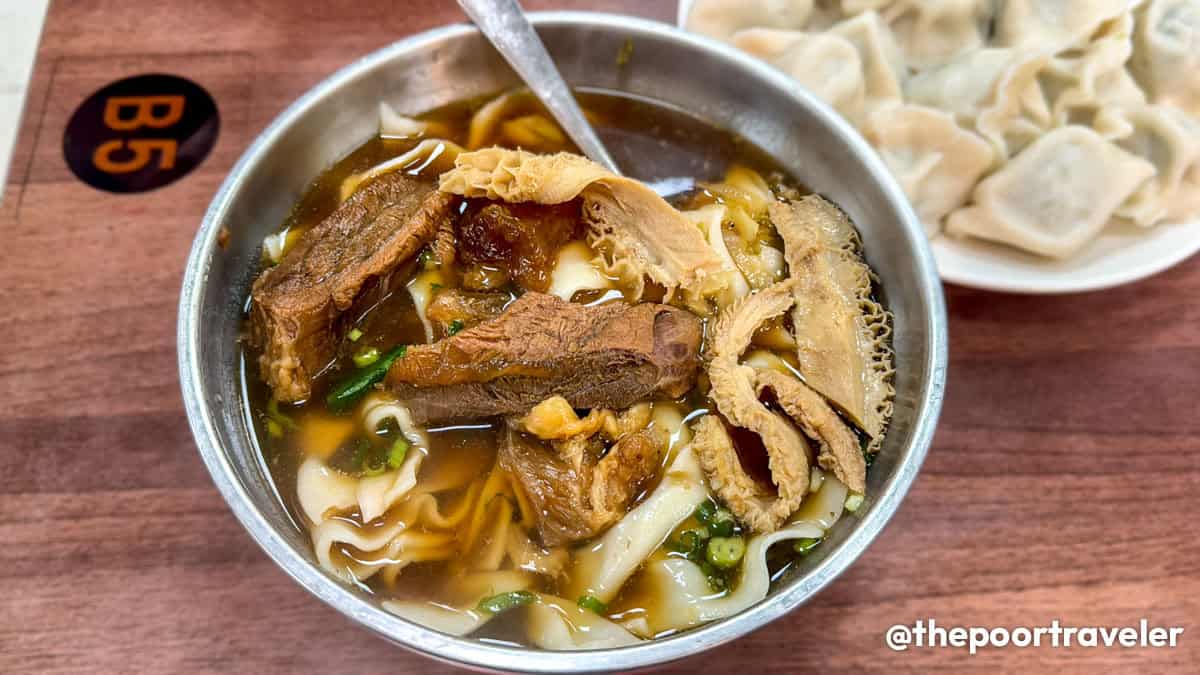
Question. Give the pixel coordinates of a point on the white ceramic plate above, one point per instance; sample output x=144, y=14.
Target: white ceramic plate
x=1120, y=255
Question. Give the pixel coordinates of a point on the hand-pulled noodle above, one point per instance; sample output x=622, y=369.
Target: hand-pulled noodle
x=680, y=596
x=602, y=567
x=394, y=125
x=425, y=153
x=464, y=618
x=710, y=220
x=555, y=623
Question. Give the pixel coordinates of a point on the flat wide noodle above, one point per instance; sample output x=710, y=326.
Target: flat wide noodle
x=681, y=597
x=464, y=618
x=602, y=567
x=640, y=234
x=841, y=332
x=558, y=624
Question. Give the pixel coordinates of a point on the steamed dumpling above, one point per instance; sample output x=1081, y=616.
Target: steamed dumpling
x=1167, y=52
x=930, y=32
x=827, y=65
x=1051, y=25
x=994, y=91
x=1170, y=140
x=1054, y=196
x=1079, y=84
x=722, y=18
x=936, y=161
x=883, y=69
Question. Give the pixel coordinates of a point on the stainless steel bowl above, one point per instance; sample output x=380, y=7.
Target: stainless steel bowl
x=701, y=76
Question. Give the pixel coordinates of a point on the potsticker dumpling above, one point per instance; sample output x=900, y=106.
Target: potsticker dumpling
x=842, y=333
x=1054, y=196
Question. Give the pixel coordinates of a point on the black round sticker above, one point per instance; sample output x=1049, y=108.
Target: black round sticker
x=141, y=133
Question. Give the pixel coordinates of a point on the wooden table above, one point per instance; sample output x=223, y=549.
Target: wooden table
x=1064, y=482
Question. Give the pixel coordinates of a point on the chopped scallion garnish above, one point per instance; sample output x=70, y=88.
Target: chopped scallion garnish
x=805, y=545
x=354, y=334
x=455, y=327
x=592, y=603
x=397, y=453
x=365, y=356
x=351, y=389
x=725, y=552
x=854, y=501
x=505, y=601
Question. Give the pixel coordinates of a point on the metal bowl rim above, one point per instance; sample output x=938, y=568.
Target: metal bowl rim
x=466, y=651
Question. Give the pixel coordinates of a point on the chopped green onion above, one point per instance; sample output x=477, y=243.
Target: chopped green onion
x=726, y=552
x=691, y=544
x=284, y=422
x=354, y=334
x=505, y=601
x=361, y=447
x=722, y=523
x=435, y=287
x=854, y=501
x=591, y=602
x=805, y=545
x=274, y=429
x=705, y=511
x=716, y=578
x=373, y=466
x=353, y=387
x=366, y=356
x=397, y=453
x=455, y=327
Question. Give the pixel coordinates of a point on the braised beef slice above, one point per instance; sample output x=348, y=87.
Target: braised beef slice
x=296, y=304
x=607, y=356
x=575, y=492
x=523, y=239
x=453, y=309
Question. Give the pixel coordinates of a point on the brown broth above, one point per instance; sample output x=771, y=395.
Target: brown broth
x=665, y=147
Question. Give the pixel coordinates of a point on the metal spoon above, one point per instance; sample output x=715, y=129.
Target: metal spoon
x=505, y=25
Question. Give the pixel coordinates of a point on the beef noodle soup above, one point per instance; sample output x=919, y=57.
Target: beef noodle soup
x=519, y=397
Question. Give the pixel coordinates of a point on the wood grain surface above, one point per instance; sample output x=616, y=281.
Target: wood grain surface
x=1064, y=481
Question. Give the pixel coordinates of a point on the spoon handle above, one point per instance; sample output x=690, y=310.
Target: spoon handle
x=503, y=22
